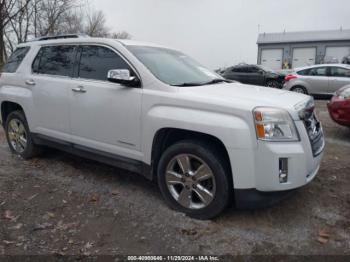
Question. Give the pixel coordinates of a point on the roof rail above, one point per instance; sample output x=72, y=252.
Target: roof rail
x=55, y=37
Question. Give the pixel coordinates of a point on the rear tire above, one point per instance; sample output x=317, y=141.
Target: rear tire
x=194, y=179
x=299, y=89
x=19, y=137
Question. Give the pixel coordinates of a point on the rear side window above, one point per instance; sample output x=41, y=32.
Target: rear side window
x=96, y=61
x=55, y=60
x=319, y=71
x=15, y=60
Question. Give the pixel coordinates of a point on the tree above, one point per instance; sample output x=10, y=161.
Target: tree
x=21, y=20
x=121, y=35
x=9, y=10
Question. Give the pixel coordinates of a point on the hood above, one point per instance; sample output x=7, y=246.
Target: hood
x=247, y=97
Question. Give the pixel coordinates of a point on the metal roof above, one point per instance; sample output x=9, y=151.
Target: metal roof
x=305, y=36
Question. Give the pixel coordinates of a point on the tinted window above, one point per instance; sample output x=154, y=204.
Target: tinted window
x=55, y=60
x=319, y=71
x=96, y=61
x=253, y=69
x=15, y=60
x=236, y=69
x=340, y=72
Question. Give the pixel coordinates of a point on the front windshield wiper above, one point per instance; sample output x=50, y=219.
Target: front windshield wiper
x=214, y=81
x=217, y=81
x=189, y=84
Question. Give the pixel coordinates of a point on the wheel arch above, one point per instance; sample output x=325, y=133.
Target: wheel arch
x=7, y=107
x=166, y=137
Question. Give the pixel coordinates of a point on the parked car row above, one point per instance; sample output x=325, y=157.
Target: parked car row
x=254, y=75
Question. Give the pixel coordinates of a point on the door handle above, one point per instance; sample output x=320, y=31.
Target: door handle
x=79, y=89
x=30, y=82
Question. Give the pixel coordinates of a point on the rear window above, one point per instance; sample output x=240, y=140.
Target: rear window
x=55, y=60
x=15, y=60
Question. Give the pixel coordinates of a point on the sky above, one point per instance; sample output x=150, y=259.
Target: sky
x=220, y=33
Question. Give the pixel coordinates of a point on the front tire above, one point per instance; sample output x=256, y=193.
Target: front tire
x=18, y=136
x=194, y=180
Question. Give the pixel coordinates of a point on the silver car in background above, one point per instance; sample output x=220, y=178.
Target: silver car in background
x=322, y=79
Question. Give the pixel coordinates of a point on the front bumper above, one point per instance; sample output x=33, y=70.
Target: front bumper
x=253, y=199
x=258, y=168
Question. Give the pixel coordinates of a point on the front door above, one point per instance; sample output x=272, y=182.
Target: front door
x=104, y=116
x=318, y=80
x=339, y=77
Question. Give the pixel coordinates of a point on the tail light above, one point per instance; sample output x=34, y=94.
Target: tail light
x=290, y=77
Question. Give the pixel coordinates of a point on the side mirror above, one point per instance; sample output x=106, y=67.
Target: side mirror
x=123, y=77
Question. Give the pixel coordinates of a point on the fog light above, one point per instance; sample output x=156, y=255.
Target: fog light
x=283, y=170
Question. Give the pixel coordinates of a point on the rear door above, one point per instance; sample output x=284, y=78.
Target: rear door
x=256, y=76
x=50, y=82
x=339, y=77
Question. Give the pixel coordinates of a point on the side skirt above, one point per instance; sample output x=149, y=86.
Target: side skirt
x=131, y=165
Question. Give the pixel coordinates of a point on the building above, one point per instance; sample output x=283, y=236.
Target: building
x=297, y=49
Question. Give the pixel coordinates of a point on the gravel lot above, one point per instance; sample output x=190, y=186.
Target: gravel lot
x=62, y=204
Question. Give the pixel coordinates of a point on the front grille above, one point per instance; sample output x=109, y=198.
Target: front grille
x=314, y=131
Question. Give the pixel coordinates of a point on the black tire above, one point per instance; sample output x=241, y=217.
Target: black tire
x=221, y=174
x=30, y=149
x=273, y=84
x=299, y=89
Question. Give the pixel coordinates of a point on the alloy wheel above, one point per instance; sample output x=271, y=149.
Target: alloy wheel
x=299, y=90
x=17, y=135
x=190, y=181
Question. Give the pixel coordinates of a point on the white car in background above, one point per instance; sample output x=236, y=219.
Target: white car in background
x=322, y=79
x=157, y=112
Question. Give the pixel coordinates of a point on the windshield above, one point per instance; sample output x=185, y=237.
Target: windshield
x=174, y=68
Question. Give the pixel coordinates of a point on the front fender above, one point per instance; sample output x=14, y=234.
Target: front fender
x=233, y=131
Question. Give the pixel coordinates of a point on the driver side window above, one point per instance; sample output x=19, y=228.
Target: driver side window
x=96, y=61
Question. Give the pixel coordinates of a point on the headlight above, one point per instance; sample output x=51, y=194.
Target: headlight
x=273, y=124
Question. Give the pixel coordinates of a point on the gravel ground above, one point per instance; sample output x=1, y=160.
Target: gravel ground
x=62, y=204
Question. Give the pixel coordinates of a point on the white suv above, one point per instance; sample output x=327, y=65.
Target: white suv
x=157, y=112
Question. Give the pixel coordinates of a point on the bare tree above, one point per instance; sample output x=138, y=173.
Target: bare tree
x=96, y=24
x=121, y=35
x=21, y=20
x=50, y=15
x=9, y=10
